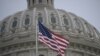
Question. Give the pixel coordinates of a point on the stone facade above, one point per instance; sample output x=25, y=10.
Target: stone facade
x=17, y=32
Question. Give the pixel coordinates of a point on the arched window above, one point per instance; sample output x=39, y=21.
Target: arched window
x=65, y=20
x=53, y=19
x=27, y=20
x=14, y=24
x=40, y=17
x=88, y=28
x=66, y=23
x=40, y=1
x=78, y=24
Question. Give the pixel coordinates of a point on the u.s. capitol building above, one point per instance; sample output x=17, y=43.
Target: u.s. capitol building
x=18, y=31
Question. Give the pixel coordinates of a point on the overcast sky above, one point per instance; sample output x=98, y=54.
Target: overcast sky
x=87, y=9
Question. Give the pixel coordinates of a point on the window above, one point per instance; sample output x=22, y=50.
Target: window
x=40, y=19
x=40, y=1
x=14, y=24
x=27, y=20
x=65, y=20
x=78, y=24
x=53, y=19
x=88, y=28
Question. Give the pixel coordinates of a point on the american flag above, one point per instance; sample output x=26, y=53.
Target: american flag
x=52, y=40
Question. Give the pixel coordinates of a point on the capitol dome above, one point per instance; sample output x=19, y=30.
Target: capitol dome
x=18, y=31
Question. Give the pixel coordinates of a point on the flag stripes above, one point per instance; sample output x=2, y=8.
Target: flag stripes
x=52, y=40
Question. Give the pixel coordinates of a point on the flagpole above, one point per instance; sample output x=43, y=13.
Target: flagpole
x=36, y=37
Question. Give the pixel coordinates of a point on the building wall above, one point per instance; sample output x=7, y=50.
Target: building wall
x=19, y=40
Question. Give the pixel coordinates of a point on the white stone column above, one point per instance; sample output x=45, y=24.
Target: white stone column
x=33, y=18
x=47, y=18
x=21, y=19
x=60, y=21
